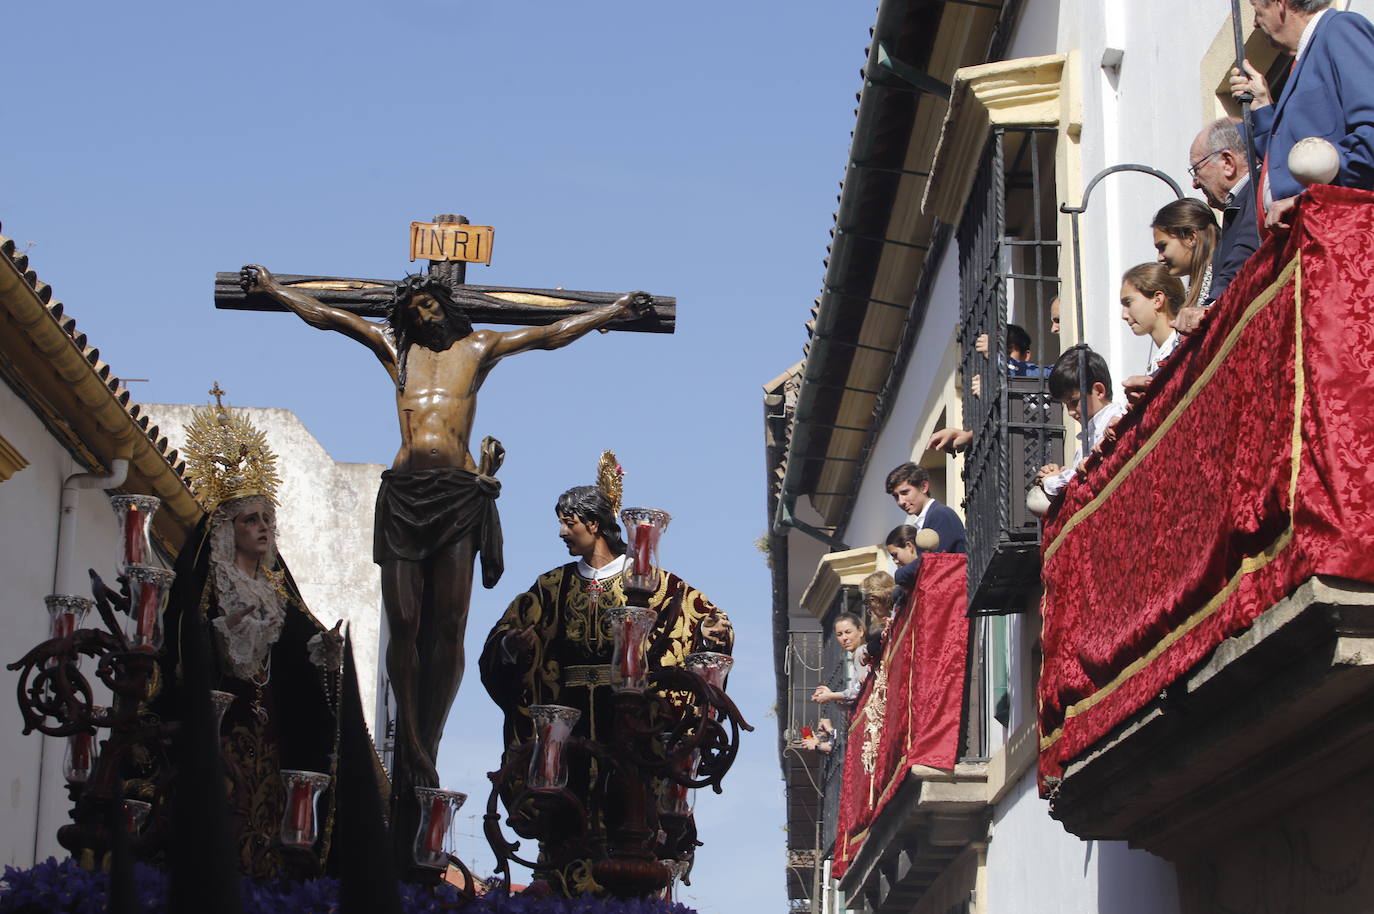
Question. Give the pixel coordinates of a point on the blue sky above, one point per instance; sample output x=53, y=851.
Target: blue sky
x=687, y=149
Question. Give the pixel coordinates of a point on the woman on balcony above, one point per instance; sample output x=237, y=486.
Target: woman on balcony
x=850, y=634
x=1186, y=236
x=879, y=592
x=1150, y=300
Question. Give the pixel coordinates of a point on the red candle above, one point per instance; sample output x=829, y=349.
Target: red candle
x=303, y=812
x=644, y=544
x=677, y=793
x=147, y=613
x=553, y=750
x=629, y=655
x=438, y=825
x=81, y=752
x=133, y=537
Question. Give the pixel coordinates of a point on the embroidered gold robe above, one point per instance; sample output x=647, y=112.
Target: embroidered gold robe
x=571, y=665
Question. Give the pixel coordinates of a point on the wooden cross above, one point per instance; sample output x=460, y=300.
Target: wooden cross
x=482, y=304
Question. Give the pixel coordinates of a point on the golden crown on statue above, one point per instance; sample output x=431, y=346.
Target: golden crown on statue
x=610, y=479
x=227, y=456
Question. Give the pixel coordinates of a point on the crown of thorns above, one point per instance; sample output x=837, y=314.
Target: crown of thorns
x=421, y=283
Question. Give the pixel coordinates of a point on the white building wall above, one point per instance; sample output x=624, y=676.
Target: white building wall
x=33, y=796
x=324, y=530
x=1034, y=866
x=1038, y=31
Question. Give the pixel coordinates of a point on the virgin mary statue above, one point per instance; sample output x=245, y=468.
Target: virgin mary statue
x=271, y=666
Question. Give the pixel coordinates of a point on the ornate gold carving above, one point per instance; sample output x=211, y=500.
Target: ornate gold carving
x=227, y=456
x=876, y=713
x=11, y=461
x=610, y=478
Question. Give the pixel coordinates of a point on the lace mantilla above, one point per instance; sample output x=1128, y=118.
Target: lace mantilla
x=251, y=608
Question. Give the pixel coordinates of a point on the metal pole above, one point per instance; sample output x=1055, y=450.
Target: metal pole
x=817, y=885
x=1245, y=100
x=1074, y=212
x=1083, y=437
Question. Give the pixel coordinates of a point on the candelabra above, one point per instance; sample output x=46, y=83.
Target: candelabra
x=57, y=697
x=672, y=729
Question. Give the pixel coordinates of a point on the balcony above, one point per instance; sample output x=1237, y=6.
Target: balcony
x=1209, y=587
x=1023, y=432
x=812, y=659
x=911, y=808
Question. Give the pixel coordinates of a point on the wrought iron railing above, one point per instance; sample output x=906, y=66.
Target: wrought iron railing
x=815, y=659
x=805, y=671
x=837, y=677
x=1015, y=422
x=832, y=780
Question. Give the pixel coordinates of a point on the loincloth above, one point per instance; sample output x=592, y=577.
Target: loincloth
x=421, y=512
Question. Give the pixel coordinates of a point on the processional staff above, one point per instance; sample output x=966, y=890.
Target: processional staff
x=1245, y=100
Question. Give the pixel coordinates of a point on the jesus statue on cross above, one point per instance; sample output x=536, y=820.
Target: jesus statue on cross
x=436, y=508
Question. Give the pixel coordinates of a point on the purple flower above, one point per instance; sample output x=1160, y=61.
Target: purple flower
x=65, y=888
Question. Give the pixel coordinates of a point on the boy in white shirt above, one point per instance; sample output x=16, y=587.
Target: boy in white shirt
x=1102, y=413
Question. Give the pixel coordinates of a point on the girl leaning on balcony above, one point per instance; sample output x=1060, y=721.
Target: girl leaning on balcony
x=1185, y=237
x=1150, y=303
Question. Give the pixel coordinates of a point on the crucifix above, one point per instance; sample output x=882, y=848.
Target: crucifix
x=436, y=508
x=482, y=304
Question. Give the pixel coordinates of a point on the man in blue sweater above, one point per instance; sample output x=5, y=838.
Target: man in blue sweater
x=909, y=486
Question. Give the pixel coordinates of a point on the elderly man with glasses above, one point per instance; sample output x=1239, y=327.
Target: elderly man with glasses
x=1220, y=171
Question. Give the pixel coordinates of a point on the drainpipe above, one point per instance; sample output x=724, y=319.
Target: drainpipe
x=62, y=582
x=66, y=521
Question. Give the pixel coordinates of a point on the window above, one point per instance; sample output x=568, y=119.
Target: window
x=1008, y=273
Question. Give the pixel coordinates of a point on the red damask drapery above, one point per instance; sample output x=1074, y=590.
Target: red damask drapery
x=909, y=711
x=1249, y=469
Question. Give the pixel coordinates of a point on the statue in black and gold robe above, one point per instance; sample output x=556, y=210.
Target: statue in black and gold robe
x=251, y=684
x=554, y=643
x=276, y=665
